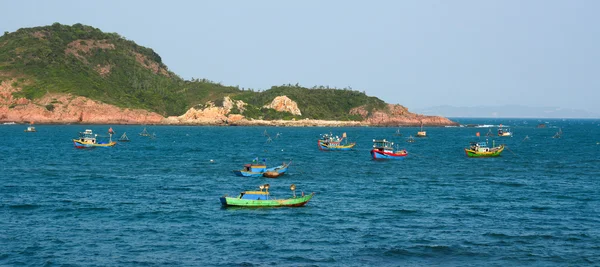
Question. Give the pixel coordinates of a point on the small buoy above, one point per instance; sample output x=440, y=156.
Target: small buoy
x=282, y=150
x=212, y=161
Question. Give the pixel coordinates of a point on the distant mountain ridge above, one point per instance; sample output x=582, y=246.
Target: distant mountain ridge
x=507, y=111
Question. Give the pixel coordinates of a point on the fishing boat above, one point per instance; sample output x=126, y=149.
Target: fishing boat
x=263, y=198
x=482, y=150
x=421, y=133
x=30, y=128
x=383, y=149
x=328, y=142
x=256, y=169
x=504, y=131
x=88, y=139
x=558, y=134
x=397, y=133
x=124, y=138
x=410, y=139
x=144, y=132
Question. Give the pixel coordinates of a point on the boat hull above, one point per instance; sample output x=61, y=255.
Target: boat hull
x=243, y=173
x=328, y=147
x=279, y=169
x=290, y=202
x=376, y=154
x=492, y=153
x=79, y=144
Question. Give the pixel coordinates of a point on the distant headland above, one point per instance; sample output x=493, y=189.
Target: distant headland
x=64, y=74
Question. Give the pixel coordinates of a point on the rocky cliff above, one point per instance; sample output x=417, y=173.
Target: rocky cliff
x=66, y=108
x=284, y=104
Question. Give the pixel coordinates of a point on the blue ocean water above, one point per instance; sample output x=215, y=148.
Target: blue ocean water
x=156, y=201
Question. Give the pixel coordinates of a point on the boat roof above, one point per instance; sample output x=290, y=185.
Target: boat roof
x=255, y=195
x=481, y=144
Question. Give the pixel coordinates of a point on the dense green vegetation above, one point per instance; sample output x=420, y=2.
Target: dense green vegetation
x=84, y=61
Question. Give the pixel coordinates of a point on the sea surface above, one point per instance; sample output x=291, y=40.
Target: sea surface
x=155, y=201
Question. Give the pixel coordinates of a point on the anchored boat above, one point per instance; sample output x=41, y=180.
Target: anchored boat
x=383, y=149
x=88, y=139
x=124, y=138
x=256, y=169
x=481, y=150
x=329, y=142
x=504, y=131
x=421, y=133
x=263, y=198
x=30, y=128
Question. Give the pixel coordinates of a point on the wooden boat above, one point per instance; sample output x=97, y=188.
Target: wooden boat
x=259, y=169
x=558, y=134
x=87, y=139
x=504, y=131
x=481, y=150
x=397, y=133
x=124, y=138
x=383, y=149
x=328, y=142
x=421, y=133
x=271, y=174
x=144, y=132
x=30, y=129
x=264, y=199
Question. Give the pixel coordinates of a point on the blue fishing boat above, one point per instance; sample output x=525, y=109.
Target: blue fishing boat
x=383, y=149
x=260, y=169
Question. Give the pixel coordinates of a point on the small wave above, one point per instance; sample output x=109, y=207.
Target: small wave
x=540, y=208
x=24, y=206
x=497, y=235
x=404, y=211
x=509, y=184
x=172, y=188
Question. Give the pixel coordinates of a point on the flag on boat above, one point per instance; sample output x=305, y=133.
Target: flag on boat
x=344, y=135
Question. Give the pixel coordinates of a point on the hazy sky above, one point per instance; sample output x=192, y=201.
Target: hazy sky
x=415, y=53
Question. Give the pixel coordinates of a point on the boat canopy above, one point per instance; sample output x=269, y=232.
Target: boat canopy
x=254, y=195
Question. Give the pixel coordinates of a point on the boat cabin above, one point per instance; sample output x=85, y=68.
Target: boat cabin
x=255, y=167
x=87, y=137
x=254, y=195
x=383, y=145
x=479, y=147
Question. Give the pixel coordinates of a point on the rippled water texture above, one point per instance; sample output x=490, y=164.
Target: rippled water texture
x=156, y=201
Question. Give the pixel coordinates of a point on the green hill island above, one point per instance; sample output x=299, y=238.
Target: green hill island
x=79, y=74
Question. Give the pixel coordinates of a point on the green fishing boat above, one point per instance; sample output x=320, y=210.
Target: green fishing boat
x=481, y=150
x=263, y=198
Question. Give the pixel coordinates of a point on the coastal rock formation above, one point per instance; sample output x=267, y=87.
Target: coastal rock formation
x=66, y=108
x=398, y=115
x=284, y=104
x=210, y=114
